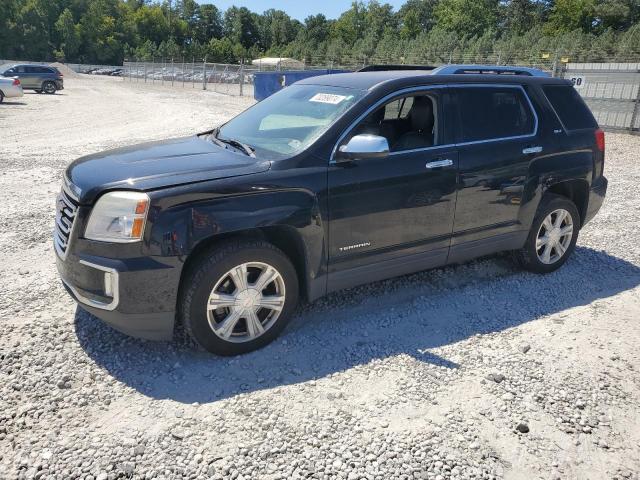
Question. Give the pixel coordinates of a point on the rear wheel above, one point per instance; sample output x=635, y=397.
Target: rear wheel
x=49, y=88
x=553, y=235
x=239, y=297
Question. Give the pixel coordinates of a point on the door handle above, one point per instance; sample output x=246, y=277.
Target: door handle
x=439, y=163
x=529, y=150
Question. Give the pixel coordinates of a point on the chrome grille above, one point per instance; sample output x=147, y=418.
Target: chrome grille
x=66, y=208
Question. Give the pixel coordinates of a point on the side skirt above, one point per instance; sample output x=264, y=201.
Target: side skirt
x=382, y=270
x=486, y=246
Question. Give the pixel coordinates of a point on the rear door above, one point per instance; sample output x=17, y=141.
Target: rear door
x=25, y=77
x=497, y=139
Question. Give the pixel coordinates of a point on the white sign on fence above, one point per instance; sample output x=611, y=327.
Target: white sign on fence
x=578, y=81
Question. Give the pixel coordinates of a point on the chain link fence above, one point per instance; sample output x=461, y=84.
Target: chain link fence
x=228, y=79
x=612, y=91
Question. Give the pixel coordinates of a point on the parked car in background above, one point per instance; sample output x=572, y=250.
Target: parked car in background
x=10, y=88
x=41, y=78
x=330, y=183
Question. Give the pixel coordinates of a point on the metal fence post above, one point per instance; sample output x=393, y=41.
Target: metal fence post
x=193, y=72
x=173, y=71
x=636, y=110
x=162, y=72
x=182, y=72
x=204, y=73
x=214, y=78
x=145, y=71
x=241, y=77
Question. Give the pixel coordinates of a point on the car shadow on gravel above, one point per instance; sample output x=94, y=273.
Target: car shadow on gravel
x=410, y=315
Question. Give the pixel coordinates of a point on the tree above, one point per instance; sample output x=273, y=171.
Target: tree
x=570, y=15
x=208, y=24
x=33, y=26
x=415, y=17
x=351, y=24
x=69, y=36
x=519, y=16
x=467, y=17
x=240, y=26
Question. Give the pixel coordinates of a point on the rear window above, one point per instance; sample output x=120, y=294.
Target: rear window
x=489, y=113
x=573, y=112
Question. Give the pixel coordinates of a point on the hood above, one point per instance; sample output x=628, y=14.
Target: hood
x=158, y=164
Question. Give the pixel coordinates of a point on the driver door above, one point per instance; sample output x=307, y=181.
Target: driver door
x=394, y=215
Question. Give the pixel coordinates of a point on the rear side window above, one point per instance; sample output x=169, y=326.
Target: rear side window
x=573, y=112
x=489, y=113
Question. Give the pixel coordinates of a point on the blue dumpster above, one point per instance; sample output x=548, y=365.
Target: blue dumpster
x=268, y=83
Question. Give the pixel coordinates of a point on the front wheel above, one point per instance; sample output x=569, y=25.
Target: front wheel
x=239, y=297
x=553, y=235
x=1, y=97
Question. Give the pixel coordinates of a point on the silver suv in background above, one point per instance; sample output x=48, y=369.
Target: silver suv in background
x=41, y=78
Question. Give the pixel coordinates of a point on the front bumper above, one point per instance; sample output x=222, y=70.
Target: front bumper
x=596, y=197
x=135, y=295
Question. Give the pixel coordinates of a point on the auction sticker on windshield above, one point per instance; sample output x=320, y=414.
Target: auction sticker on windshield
x=327, y=98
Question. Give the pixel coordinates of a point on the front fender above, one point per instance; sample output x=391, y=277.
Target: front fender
x=181, y=229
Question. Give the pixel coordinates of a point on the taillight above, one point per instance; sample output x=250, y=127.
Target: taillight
x=16, y=81
x=600, y=139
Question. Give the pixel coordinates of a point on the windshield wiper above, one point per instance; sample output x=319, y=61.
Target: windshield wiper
x=222, y=142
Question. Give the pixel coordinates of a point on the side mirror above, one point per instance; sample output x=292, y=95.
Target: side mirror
x=363, y=146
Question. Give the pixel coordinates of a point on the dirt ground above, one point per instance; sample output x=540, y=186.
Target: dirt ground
x=427, y=376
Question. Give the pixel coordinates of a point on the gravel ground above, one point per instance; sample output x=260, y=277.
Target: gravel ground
x=474, y=371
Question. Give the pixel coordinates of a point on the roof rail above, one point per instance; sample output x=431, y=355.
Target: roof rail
x=386, y=68
x=489, y=70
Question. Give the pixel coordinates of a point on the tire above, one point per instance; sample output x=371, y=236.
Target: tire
x=227, y=329
x=1, y=96
x=560, y=246
x=49, y=88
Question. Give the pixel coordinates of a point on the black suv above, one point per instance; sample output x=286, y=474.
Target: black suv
x=41, y=78
x=332, y=182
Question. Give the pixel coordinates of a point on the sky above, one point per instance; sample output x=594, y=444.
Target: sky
x=299, y=9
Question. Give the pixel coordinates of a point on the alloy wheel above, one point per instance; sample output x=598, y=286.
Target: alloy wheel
x=554, y=236
x=245, y=302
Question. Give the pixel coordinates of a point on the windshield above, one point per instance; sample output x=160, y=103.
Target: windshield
x=290, y=120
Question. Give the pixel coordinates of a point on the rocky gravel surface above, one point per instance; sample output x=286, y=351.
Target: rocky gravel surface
x=477, y=371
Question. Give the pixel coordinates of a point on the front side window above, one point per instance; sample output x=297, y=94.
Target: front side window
x=290, y=120
x=490, y=113
x=408, y=122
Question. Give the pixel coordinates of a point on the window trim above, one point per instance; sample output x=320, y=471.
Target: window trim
x=498, y=85
x=385, y=99
x=410, y=90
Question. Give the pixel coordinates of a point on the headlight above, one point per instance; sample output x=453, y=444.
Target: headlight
x=118, y=217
